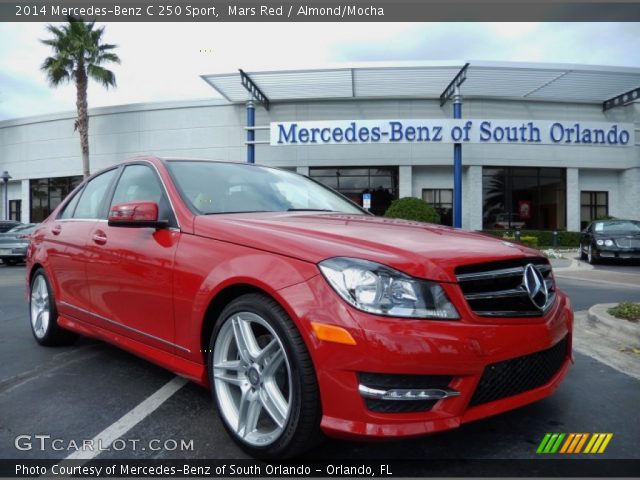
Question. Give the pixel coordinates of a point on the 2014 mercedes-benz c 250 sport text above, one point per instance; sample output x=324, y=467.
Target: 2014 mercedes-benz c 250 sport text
x=300, y=311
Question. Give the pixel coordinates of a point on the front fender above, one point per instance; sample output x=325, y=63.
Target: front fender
x=204, y=267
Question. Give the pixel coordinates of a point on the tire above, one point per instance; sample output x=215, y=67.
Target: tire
x=591, y=258
x=268, y=400
x=43, y=314
x=583, y=256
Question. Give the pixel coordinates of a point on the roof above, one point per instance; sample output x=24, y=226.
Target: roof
x=503, y=80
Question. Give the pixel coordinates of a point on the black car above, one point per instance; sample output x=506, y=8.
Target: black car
x=6, y=225
x=610, y=239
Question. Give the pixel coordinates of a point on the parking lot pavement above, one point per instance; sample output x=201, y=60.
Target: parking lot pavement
x=78, y=392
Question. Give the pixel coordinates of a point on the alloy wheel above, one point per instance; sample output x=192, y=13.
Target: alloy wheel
x=39, y=304
x=252, y=377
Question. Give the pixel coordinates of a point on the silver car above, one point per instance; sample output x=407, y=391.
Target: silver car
x=14, y=243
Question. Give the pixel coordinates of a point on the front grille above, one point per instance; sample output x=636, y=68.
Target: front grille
x=517, y=375
x=628, y=242
x=497, y=289
x=384, y=381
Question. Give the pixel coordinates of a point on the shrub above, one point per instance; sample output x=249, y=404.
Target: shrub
x=529, y=241
x=545, y=237
x=627, y=310
x=411, y=208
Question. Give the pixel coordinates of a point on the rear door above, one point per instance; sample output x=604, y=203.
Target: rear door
x=131, y=269
x=66, y=244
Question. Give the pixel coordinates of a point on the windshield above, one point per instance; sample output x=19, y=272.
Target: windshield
x=210, y=187
x=622, y=226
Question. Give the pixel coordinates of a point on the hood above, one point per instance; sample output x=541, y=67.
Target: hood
x=418, y=249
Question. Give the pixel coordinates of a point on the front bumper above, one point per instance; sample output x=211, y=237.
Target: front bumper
x=458, y=349
x=617, y=252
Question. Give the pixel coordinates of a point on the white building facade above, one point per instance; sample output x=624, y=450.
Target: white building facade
x=549, y=182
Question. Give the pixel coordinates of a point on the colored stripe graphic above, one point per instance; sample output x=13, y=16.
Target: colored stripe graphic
x=543, y=443
x=572, y=443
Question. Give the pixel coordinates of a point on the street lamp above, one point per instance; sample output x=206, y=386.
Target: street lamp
x=5, y=179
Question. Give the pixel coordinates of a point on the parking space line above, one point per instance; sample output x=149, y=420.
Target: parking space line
x=114, y=431
x=595, y=280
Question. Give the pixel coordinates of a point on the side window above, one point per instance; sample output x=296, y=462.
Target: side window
x=139, y=183
x=68, y=210
x=92, y=198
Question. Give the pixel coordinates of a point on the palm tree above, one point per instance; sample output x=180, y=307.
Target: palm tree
x=78, y=55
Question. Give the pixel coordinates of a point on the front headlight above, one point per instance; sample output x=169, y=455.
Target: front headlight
x=600, y=242
x=379, y=289
x=608, y=243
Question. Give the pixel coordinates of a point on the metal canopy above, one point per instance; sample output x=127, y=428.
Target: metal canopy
x=516, y=81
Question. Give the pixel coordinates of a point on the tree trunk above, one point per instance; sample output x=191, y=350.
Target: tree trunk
x=83, y=116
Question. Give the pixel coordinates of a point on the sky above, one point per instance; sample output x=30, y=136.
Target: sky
x=164, y=61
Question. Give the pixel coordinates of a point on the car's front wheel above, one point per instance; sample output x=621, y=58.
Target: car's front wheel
x=591, y=256
x=43, y=313
x=263, y=380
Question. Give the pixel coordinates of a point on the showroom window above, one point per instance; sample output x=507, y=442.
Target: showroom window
x=593, y=205
x=45, y=194
x=526, y=198
x=442, y=200
x=380, y=182
x=15, y=210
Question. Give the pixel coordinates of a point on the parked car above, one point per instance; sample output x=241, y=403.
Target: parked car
x=509, y=220
x=13, y=244
x=299, y=310
x=6, y=225
x=610, y=239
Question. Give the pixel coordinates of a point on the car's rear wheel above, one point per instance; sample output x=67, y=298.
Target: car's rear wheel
x=43, y=313
x=263, y=380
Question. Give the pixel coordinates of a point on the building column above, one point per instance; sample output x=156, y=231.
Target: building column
x=573, y=200
x=628, y=204
x=26, y=202
x=472, y=198
x=303, y=170
x=405, y=181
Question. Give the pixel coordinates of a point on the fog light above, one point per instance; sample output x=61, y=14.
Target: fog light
x=407, y=393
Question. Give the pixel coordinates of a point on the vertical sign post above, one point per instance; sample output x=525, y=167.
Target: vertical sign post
x=251, y=133
x=254, y=94
x=453, y=90
x=457, y=165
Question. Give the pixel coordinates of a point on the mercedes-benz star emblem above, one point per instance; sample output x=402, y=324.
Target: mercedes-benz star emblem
x=535, y=285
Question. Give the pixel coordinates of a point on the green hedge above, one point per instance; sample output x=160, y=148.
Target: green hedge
x=529, y=241
x=545, y=237
x=411, y=208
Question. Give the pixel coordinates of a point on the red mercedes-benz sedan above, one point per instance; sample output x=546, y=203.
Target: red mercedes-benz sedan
x=299, y=310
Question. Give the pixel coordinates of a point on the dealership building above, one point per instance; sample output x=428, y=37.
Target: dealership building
x=541, y=146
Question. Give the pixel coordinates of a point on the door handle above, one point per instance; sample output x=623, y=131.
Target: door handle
x=99, y=237
x=56, y=230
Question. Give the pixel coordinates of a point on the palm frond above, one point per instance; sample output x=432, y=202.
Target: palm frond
x=102, y=75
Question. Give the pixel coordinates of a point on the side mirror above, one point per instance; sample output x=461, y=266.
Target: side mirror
x=136, y=214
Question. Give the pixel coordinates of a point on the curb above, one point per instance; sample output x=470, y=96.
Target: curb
x=616, y=326
x=576, y=265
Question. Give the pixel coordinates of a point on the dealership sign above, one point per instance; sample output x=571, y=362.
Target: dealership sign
x=515, y=132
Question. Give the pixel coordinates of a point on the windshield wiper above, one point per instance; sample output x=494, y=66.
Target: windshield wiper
x=309, y=210
x=238, y=211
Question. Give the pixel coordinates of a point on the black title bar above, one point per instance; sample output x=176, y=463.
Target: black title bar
x=320, y=10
